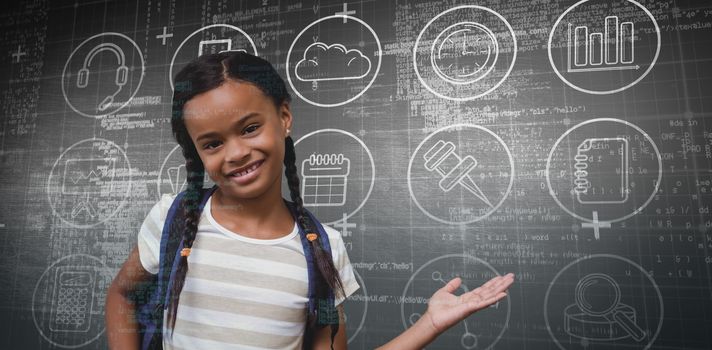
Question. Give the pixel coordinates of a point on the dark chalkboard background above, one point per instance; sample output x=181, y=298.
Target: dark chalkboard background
x=462, y=139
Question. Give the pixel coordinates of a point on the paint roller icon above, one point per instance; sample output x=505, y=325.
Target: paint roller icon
x=454, y=170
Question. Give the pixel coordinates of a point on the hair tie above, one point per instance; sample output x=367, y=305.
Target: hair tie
x=185, y=252
x=311, y=236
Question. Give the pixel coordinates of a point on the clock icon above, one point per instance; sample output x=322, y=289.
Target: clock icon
x=464, y=53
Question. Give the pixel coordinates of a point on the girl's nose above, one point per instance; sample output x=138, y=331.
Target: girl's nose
x=236, y=151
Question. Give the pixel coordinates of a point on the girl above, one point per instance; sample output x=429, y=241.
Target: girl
x=244, y=285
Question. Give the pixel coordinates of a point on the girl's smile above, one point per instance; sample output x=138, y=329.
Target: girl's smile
x=247, y=173
x=239, y=135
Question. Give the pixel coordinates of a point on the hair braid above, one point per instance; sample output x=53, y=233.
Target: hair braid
x=191, y=200
x=328, y=277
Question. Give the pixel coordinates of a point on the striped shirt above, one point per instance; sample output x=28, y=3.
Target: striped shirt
x=239, y=292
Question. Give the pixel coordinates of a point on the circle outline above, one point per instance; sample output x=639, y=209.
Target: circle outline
x=450, y=80
x=138, y=86
x=611, y=256
x=175, y=54
x=607, y=92
x=375, y=75
x=585, y=307
x=159, y=181
x=455, y=126
x=370, y=157
x=629, y=124
x=365, y=307
x=504, y=77
x=464, y=256
x=126, y=195
x=32, y=306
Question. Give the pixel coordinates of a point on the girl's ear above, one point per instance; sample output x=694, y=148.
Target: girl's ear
x=285, y=115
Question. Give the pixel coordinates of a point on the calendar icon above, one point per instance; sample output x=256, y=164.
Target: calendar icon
x=324, y=180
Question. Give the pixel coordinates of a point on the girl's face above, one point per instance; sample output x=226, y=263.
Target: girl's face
x=239, y=135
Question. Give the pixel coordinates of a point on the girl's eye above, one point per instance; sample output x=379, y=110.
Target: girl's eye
x=210, y=144
x=250, y=128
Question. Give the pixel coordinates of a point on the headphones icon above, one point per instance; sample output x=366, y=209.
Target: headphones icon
x=121, y=72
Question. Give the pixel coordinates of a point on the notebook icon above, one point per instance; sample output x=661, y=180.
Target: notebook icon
x=601, y=171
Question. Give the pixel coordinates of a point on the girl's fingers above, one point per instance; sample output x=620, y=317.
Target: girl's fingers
x=493, y=287
x=487, y=285
x=491, y=282
x=504, y=283
x=452, y=286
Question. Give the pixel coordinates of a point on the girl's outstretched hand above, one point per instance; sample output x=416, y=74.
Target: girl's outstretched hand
x=446, y=309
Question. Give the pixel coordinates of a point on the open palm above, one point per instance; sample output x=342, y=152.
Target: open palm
x=446, y=309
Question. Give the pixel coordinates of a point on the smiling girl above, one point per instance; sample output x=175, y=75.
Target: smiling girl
x=241, y=282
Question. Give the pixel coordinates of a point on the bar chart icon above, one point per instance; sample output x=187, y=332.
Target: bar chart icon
x=609, y=50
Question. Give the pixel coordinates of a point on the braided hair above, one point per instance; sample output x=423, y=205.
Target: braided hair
x=204, y=74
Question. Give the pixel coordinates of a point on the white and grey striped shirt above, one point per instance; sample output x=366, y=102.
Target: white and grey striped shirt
x=240, y=292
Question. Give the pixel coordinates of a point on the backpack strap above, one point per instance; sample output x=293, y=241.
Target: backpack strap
x=152, y=336
x=327, y=308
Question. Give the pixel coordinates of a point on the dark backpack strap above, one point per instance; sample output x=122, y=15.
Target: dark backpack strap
x=324, y=237
x=152, y=337
x=327, y=314
x=326, y=306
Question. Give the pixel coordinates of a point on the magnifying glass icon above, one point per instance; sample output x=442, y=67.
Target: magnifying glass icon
x=598, y=294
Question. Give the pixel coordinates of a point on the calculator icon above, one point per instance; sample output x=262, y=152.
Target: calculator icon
x=72, y=298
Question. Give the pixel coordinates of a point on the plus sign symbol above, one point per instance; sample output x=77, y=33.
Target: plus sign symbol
x=164, y=36
x=345, y=12
x=17, y=55
x=344, y=226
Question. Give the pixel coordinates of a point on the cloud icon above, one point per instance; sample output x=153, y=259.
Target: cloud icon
x=331, y=62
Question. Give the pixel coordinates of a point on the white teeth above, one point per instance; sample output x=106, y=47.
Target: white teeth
x=249, y=170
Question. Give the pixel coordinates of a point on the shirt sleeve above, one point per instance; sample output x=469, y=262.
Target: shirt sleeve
x=149, y=236
x=342, y=264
